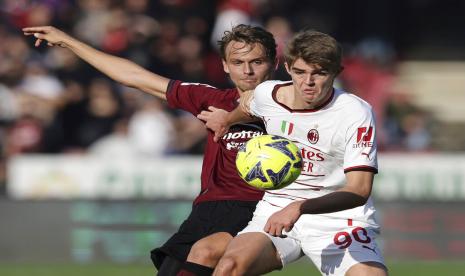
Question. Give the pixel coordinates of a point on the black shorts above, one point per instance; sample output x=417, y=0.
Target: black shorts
x=205, y=219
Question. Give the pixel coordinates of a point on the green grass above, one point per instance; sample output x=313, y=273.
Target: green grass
x=445, y=268
x=74, y=270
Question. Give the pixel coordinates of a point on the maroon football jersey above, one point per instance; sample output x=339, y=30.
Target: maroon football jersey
x=220, y=180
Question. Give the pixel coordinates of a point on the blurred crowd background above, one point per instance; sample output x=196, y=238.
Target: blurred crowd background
x=52, y=102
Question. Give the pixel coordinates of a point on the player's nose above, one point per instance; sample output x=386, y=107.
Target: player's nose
x=248, y=70
x=309, y=79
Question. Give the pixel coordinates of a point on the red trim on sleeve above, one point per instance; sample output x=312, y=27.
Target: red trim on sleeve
x=361, y=168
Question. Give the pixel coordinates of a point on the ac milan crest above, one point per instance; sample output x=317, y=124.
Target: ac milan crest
x=313, y=136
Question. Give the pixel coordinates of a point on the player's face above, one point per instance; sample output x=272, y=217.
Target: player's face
x=247, y=65
x=311, y=82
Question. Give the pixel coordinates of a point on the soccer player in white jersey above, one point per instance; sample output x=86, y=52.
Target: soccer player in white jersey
x=327, y=213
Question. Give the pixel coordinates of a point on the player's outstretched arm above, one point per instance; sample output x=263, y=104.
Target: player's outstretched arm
x=119, y=69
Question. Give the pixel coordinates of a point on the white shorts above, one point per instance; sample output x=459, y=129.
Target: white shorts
x=333, y=245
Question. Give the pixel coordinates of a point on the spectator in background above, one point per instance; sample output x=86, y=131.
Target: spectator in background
x=116, y=144
x=93, y=15
x=13, y=56
x=282, y=32
x=25, y=135
x=150, y=129
x=39, y=83
x=230, y=13
x=35, y=98
x=63, y=135
x=8, y=105
x=407, y=126
x=101, y=111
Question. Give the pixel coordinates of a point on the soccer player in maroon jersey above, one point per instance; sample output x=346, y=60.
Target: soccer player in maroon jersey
x=225, y=203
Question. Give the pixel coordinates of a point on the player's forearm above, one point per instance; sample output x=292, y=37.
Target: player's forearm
x=333, y=202
x=119, y=69
x=238, y=115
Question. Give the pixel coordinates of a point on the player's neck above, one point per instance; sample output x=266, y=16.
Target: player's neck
x=287, y=96
x=240, y=91
x=319, y=103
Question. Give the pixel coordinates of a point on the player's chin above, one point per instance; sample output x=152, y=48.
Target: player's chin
x=310, y=96
x=248, y=85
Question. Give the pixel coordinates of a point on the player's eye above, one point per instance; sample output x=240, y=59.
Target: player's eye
x=322, y=73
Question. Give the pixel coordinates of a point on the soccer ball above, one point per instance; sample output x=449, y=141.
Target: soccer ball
x=269, y=162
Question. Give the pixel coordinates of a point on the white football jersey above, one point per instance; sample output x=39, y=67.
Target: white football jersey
x=335, y=138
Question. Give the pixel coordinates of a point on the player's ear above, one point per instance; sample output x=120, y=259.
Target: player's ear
x=288, y=69
x=225, y=66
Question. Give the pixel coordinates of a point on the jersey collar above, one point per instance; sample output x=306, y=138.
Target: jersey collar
x=276, y=88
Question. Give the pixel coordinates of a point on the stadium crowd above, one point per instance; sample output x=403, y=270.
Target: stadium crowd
x=51, y=102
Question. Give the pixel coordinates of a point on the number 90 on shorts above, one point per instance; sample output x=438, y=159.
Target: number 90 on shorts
x=345, y=239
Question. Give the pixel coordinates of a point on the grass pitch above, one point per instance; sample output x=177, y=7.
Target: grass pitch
x=443, y=268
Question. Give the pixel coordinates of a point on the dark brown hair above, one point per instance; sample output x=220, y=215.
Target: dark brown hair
x=249, y=35
x=315, y=48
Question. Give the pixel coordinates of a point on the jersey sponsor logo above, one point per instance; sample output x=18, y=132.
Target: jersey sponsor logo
x=364, y=136
x=244, y=134
x=313, y=136
x=311, y=155
x=287, y=127
x=235, y=145
x=232, y=138
x=310, y=160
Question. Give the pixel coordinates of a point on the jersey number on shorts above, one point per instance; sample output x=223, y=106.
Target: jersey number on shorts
x=344, y=239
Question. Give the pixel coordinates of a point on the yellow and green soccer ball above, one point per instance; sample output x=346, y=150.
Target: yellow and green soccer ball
x=269, y=162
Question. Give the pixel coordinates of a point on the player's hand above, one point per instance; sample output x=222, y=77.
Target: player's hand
x=50, y=34
x=216, y=120
x=245, y=99
x=284, y=219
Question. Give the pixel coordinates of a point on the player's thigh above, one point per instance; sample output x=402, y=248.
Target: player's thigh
x=367, y=269
x=336, y=251
x=253, y=253
x=208, y=251
x=287, y=248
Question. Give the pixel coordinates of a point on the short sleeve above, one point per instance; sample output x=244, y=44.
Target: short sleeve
x=192, y=97
x=260, y=98
x=361, y=148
